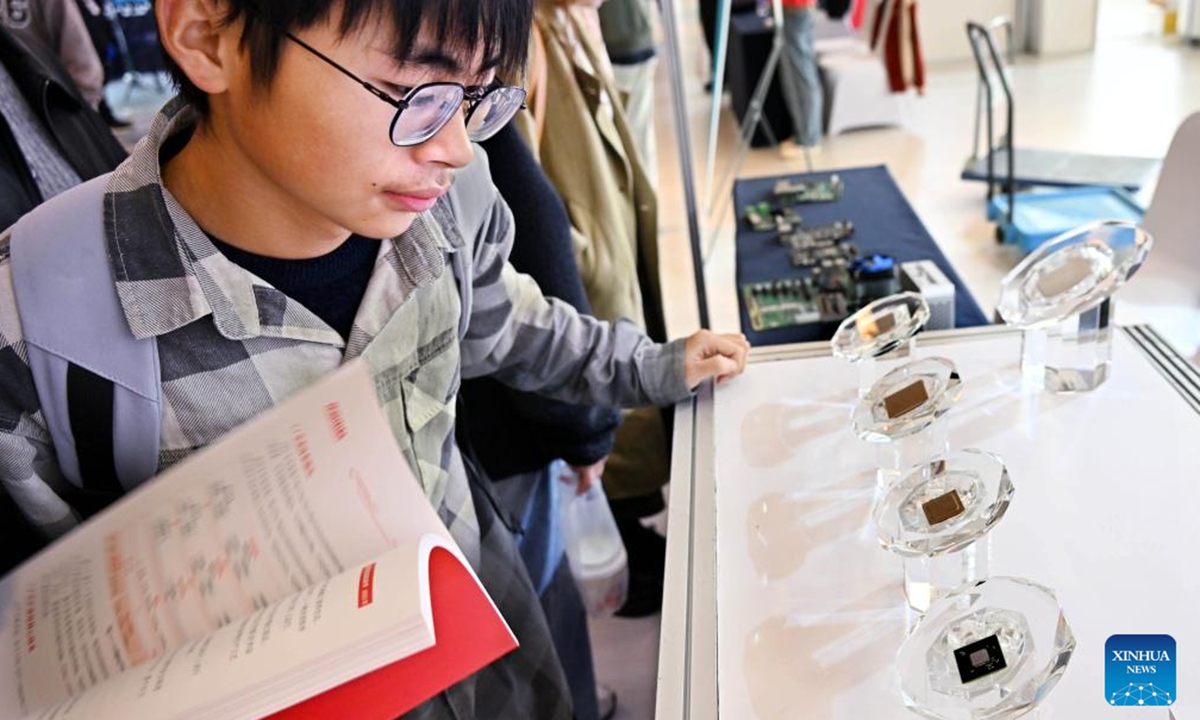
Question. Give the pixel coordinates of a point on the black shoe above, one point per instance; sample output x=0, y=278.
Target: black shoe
x=645, y=596
x=606, y=702
x=112, y=120
x=647, y=552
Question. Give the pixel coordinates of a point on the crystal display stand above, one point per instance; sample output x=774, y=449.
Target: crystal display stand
x=919, y=432
x=894, y=458
x=1061, y=296
x=1071, y=355
x=928, y=578
x=937, y=518
x=991, y=650
x=882, y=330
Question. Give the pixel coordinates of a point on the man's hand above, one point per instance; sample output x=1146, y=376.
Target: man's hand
x=709, y=355
x=588, y=475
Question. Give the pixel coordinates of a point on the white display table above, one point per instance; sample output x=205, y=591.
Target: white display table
x=779, y=602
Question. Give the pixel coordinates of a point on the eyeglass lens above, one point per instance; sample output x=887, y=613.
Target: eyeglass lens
x=494, y=111
x=426, y=112
x=430, y=107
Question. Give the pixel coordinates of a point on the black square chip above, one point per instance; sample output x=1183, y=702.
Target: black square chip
x=979, y=659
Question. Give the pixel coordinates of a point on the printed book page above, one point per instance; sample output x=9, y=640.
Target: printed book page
x=310, y=489
x=307, y=643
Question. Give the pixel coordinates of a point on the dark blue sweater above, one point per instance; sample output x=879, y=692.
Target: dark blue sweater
x=513, y=431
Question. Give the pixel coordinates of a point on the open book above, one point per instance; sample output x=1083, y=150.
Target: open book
x=293, y=568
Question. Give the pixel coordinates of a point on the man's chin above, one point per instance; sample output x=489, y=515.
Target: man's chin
x=395, y=224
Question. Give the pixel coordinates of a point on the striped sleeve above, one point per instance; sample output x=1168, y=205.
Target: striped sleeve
x=539, y=344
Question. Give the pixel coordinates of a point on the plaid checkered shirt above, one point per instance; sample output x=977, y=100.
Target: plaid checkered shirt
x=231, y=346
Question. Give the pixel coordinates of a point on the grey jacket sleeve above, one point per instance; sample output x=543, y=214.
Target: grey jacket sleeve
x=538, y=344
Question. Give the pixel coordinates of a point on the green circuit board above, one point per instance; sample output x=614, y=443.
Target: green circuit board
x=767, y=217
x=796, y=192
x=820, y=297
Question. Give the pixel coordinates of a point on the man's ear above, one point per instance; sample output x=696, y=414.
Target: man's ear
x=193, y=33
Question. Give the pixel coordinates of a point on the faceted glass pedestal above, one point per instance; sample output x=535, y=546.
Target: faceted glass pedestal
x=991, y=650
x=882, y=329
x=926, y=579
x=937, y=518
x=905, y=422
x=1061, y=295
x=893, y=409
x=1069, y=356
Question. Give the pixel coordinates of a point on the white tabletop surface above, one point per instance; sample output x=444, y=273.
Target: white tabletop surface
x=807, y=612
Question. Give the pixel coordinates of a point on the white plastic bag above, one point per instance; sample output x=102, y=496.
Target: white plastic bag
x=594, y=548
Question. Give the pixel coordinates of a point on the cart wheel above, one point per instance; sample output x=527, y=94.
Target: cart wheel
x=1000, y=234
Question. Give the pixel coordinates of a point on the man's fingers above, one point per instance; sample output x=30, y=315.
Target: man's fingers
x=719, y=365
x=743, y=353
x=716, y=356
x=727, y=345
x=734, y=347
x=588, y=475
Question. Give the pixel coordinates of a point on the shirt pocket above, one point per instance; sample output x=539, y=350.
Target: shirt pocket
x=430, y=389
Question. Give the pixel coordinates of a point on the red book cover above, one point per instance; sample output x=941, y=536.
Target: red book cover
x=469, y=635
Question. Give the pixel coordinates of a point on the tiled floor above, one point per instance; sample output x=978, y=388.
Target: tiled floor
x=626, y=655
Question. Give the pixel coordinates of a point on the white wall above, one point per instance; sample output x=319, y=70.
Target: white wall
x=943, y=25
x=1067, y=26
x=1189, y=19
x=1064, y=26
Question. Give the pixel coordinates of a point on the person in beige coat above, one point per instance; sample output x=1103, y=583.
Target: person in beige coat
x=579, y=131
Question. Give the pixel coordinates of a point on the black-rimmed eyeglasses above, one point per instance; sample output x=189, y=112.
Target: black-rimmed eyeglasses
x=425, y=109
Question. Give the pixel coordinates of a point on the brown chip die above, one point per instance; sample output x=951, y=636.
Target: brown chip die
x=942, y=508
x=872, y=326
x=905, y=399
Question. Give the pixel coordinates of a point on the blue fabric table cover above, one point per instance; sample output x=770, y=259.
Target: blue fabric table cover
x=884, y=222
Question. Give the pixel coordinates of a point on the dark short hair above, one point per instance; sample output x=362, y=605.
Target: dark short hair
x=500, y=28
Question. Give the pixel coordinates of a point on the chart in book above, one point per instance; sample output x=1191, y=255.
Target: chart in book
x=201, y=572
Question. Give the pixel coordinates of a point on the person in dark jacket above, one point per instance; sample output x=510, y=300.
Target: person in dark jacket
x=581, y=435
x=515, y=436
x=50, y=138
x=59, y=25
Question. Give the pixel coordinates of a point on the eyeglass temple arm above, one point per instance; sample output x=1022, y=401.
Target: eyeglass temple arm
x=329, y=61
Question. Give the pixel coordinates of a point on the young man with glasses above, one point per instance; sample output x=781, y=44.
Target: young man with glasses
x=312, y=197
